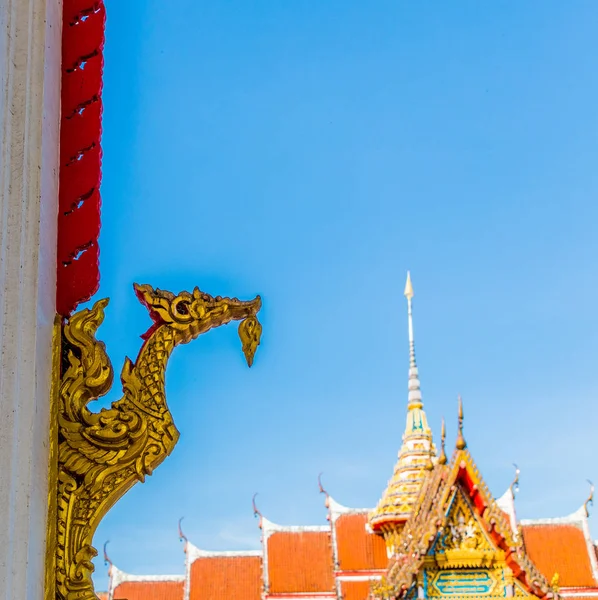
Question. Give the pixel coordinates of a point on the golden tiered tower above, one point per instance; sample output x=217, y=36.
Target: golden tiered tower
x=416, y=456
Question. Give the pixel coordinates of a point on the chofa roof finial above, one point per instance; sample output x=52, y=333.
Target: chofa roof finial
x=514, y=487
x=442, y=460
x=461, y=444
x=320, y=486
x=590, y=500
x=256, y=510
x=107, y=560
x=182, y=536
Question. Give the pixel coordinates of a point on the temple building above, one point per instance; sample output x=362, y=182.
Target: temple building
x=437, y=531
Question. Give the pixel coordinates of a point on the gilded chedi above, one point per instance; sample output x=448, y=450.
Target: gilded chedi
x=416, y=456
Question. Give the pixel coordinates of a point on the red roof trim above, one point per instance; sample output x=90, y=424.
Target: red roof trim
x=78, y=274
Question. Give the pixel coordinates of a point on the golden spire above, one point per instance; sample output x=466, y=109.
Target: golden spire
x=442, y=460
x=461, y=444
x=416, y=456
x=415, y=395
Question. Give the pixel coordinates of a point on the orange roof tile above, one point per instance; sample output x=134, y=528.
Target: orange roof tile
x=102, y=595
x=560, y=549
x=357, y=549
x=300, y=561
x=355, y=590
x=149, y=590
x=230, y=577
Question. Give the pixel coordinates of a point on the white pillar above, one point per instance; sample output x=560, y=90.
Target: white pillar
x=30, y=56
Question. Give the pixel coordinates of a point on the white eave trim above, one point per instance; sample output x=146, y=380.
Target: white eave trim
x=306, y=596
x=579, y=593
x=268, y=528
x=117, y=577
x=337, y=510
x=576, y=518
x=349, y=578
x=507, y=504
x=194, y=553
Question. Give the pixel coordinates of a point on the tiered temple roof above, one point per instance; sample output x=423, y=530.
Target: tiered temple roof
x=429, y=505
x=339, y=561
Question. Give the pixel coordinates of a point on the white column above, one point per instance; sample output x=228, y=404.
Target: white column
x=30, y=47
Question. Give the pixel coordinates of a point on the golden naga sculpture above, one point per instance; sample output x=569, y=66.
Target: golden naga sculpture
x=100, y=456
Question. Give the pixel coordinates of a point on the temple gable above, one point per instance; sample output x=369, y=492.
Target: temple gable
x=463, y=560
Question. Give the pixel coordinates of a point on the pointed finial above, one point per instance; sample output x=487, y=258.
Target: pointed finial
x=320, y=486
x=256, y=511
x=415, y=395
x=182, y=536
x=107, y=560
x=408, y=287
x=514, y=487
x=461, y=445
x=442, y=460
x=590, y=500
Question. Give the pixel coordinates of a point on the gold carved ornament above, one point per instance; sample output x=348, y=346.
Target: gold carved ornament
x=100, y=456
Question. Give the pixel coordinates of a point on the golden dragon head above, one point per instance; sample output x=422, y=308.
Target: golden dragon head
x=191, y=314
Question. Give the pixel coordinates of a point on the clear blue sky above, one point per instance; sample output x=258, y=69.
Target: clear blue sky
x=312, y=152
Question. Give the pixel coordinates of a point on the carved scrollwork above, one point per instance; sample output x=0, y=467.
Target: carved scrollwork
x=102, y=455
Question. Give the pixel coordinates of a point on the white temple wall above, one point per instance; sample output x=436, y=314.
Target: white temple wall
x=30, y=54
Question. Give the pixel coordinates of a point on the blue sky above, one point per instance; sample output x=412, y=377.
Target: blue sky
x=312, y=152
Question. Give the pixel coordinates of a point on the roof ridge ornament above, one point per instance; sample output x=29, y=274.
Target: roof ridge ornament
x=514, y=487
x=107, y=560
x=321, y=487
x=590, y=500
x=461, y=443
x=182, y=536
x=256, y=510
x=442, y=459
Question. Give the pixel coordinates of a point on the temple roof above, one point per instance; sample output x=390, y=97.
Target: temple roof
x=297, y=559
x=342, y=560
x=216, y=575
x=564, y=546
x=416, y=454
x=430, y=514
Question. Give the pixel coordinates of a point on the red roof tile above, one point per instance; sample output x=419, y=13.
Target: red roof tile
x=355, y=590
x=230, y=577
x=560, y=549
x=300, y=562
x=357, y=549
x=149, y=590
